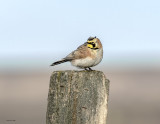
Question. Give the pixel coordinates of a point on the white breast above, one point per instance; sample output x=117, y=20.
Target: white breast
x=88, y=61
x=99, y=57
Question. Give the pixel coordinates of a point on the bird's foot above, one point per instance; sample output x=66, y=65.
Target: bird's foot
x=88, y=69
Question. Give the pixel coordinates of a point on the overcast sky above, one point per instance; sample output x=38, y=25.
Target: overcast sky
x=51, y=29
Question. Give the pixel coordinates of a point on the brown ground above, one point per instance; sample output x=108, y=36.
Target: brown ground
x=134, y=97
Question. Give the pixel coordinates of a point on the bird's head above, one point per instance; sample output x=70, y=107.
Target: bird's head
x=94, y=43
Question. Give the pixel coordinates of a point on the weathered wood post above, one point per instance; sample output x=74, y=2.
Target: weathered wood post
x=77, y=97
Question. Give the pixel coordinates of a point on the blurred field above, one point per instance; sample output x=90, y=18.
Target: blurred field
x=133, y=99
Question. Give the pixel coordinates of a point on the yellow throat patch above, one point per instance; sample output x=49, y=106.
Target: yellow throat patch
x=92, y=44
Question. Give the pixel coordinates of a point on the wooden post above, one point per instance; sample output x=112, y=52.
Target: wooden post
x=77, y=97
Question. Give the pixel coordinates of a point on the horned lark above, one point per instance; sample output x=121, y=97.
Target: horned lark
x=85, y=56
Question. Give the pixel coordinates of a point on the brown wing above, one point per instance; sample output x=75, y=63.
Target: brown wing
x=80, y=52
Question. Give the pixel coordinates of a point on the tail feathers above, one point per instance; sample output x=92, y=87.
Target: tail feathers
x=59, y=62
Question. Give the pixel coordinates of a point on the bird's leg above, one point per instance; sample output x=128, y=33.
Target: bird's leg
x=90, y=69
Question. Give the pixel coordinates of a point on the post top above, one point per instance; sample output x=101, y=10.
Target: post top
x=81, y=73
x=77, y=72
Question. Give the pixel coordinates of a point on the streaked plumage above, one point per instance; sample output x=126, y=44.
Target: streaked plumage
x=85, y=56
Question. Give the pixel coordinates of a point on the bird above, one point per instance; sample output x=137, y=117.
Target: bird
x=86, y=55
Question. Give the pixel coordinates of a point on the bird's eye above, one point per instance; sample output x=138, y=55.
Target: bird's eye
x=93, y=44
